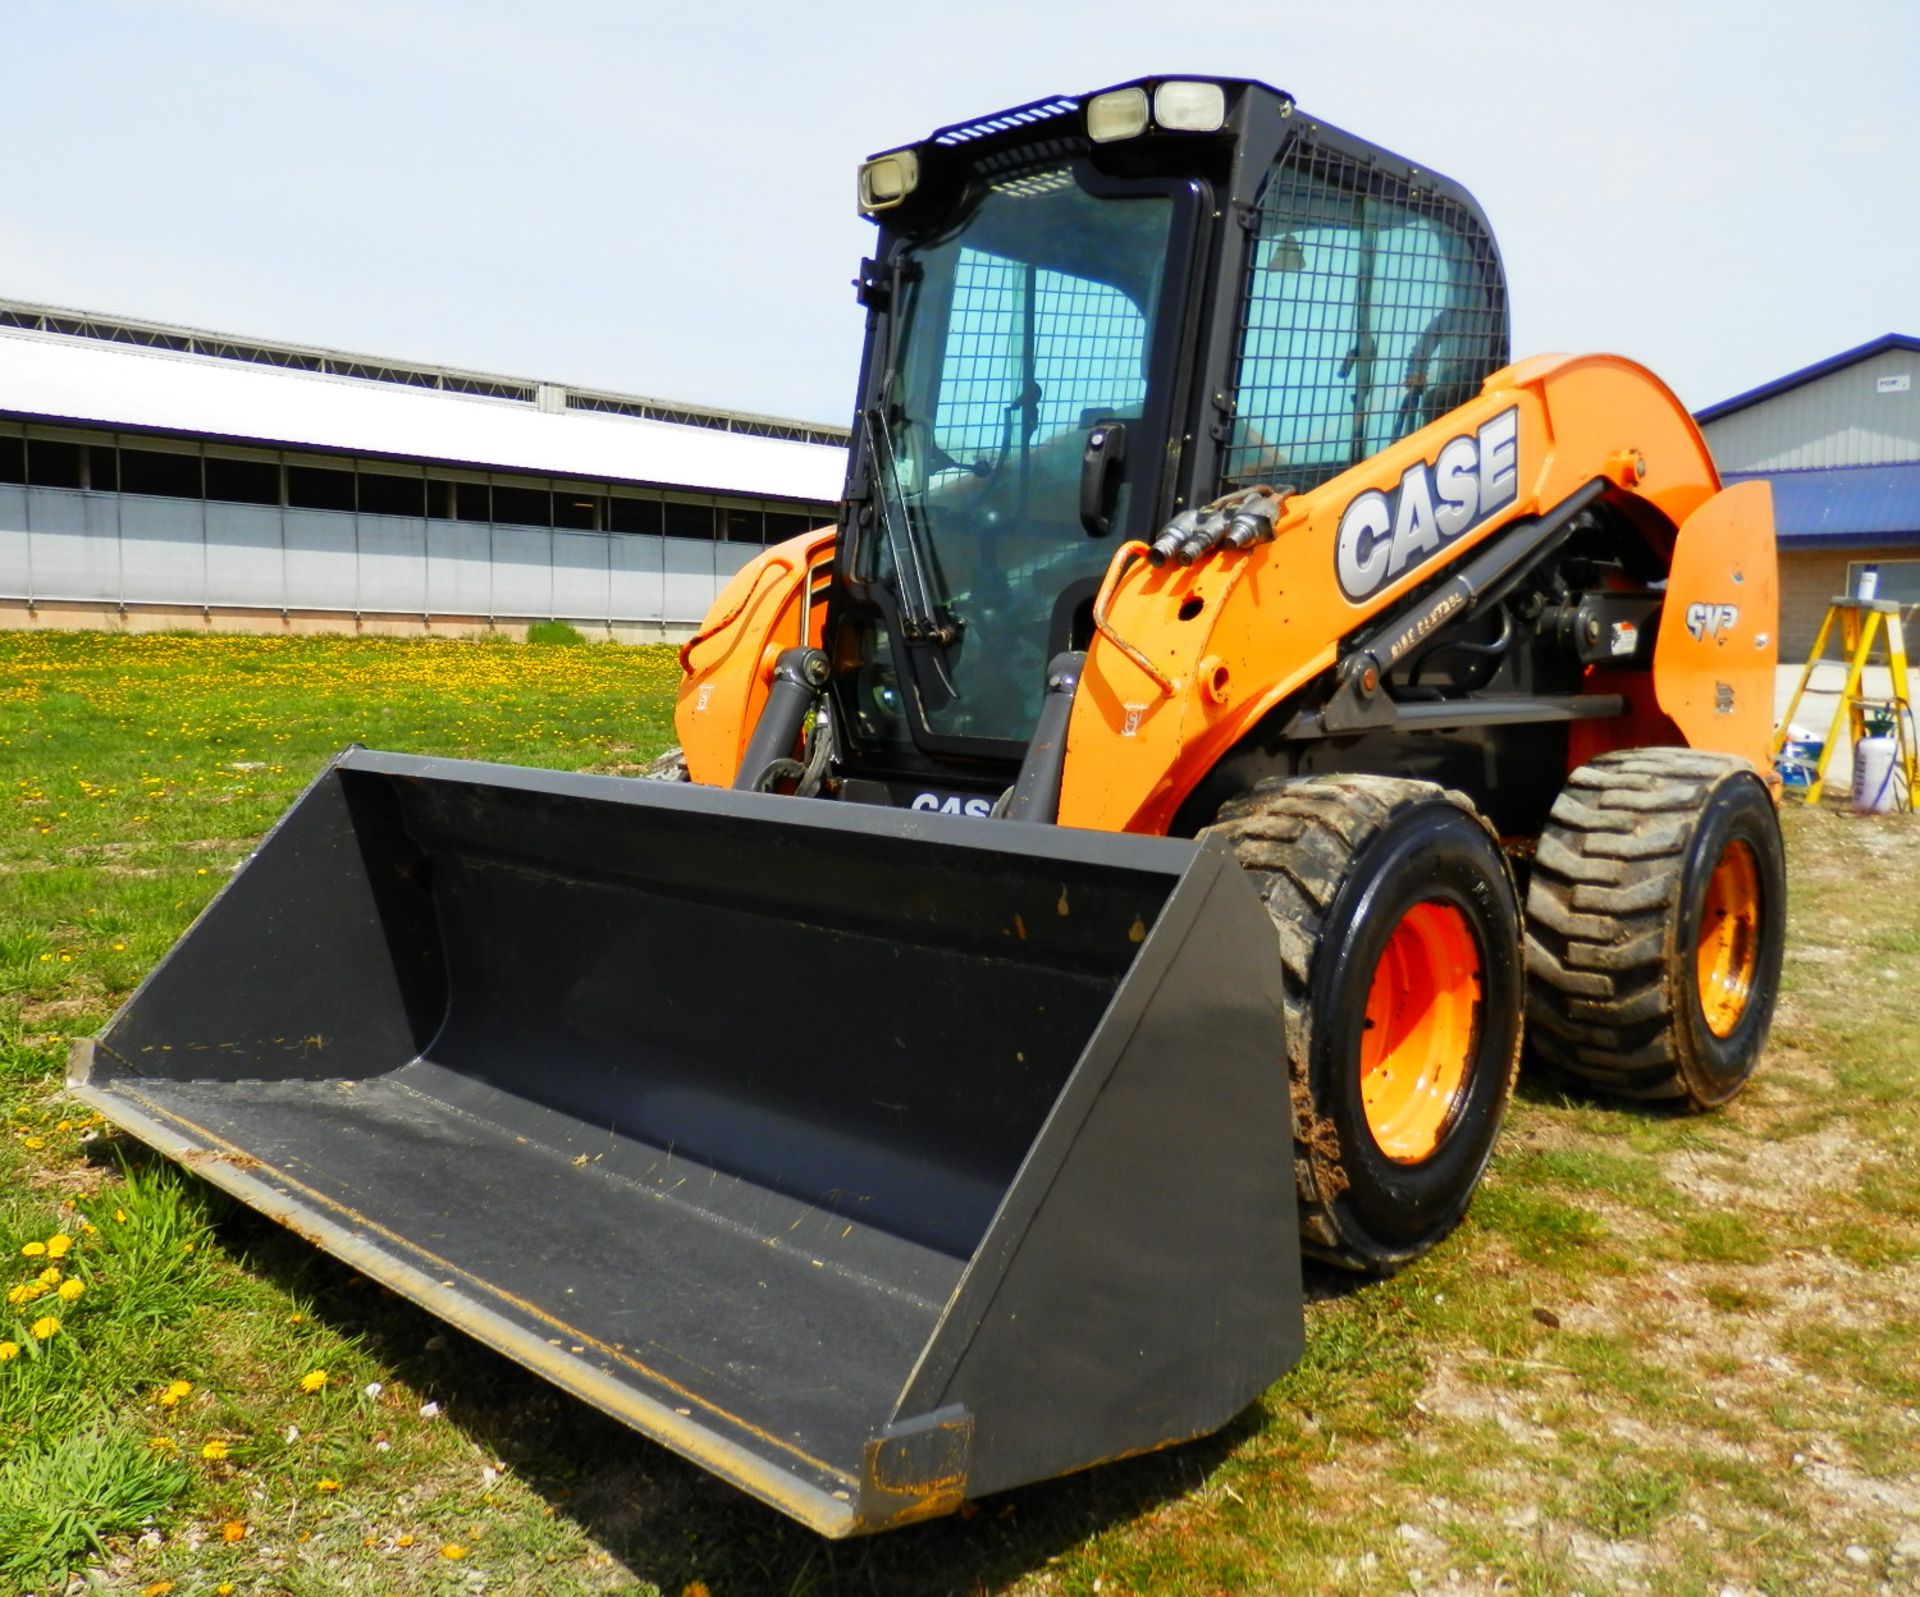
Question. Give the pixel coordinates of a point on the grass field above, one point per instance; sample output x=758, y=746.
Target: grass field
x=1664, y=1354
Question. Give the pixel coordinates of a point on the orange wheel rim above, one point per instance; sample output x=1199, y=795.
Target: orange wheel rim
x=1423, y=1021
x=1729, y=948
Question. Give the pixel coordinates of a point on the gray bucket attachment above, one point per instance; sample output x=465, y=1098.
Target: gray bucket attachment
x=874, y=1160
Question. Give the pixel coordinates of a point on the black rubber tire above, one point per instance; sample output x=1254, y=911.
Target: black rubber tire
x=1338, y=861
x=1613, y=919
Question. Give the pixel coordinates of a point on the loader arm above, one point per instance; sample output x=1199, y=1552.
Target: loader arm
x=1190, y=659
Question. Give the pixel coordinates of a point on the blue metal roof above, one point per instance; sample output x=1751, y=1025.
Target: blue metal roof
x=1806, y=374
x=1843, y=504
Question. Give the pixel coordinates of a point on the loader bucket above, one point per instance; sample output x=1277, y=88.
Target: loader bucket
x=871, y=1159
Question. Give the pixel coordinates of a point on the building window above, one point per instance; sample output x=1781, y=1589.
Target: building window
x=785, y=524
x=13, y=459
x=319, y=488
x=53, y=464
x=160, y=472
x=243, y=482
x=577, y=510
x=743, y=526
x=474, y=502
x=103, y=468
x=633, y=515
x=384, y=495
x=688, y=521
x=1899, y=580
x=525, y=507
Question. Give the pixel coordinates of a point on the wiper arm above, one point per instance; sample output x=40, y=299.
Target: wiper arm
x=926, y=612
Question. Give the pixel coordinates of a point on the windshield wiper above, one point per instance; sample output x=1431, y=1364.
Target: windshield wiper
x=926, y=613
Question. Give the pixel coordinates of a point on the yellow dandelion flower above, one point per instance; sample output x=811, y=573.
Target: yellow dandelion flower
x=9, y=1350
x=313, y=1380
x=163, y=1444
x=33, y=1250
x=50, y=1276
x=159, y=1588
x=44, y=1329
x=120, y=1215
x=233, y=1531
x=58, y=1245
x=69, y=1290
x=404, y=1539
x=216, y=1450
x=224, y=1589
x=175, y=1390
x=328, y=1486
x=453, y=1550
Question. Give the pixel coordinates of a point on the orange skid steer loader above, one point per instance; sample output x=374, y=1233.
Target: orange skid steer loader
x=1122, y=854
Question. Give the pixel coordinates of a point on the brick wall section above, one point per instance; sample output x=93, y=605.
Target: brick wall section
x=1809, y=581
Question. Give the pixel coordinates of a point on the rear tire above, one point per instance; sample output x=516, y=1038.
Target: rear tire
x=1656, y=922
x=1399, y=932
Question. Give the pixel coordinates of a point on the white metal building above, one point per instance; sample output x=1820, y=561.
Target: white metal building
x=154, y=476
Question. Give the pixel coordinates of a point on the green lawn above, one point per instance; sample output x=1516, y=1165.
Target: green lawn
x=1673, y=1354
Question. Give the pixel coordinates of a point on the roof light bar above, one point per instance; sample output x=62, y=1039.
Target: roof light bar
x=1181, y=105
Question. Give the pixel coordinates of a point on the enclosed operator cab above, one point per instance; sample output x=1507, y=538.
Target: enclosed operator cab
x=1085, y=316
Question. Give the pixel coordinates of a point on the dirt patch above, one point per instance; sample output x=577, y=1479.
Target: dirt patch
x=38, y=1014
x=1777, y=1175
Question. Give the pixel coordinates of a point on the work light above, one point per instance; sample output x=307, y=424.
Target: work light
x=1117, y=114
x=888, y=179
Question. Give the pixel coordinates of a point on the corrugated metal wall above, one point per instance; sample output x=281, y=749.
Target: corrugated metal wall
x=71, y=545
x=1842, y=419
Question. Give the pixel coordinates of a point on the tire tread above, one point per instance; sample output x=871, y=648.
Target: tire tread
x=1298, y=839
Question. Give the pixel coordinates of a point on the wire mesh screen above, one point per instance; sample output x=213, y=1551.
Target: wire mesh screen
x=1369, y=312
x=1088, y=354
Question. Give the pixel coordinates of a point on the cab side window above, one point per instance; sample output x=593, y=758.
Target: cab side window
x=1368, y=313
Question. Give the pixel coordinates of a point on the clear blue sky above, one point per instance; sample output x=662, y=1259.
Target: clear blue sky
x=659, y=197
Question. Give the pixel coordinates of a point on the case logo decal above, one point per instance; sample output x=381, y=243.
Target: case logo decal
x=953, y=804
x=1385, y=535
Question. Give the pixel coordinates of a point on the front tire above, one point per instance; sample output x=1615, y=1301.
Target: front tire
x=1399, y=938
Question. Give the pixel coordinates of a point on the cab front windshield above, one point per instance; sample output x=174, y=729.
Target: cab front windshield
x=1019, y=332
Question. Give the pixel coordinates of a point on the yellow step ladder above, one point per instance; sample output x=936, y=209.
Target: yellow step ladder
x=1860, y=623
